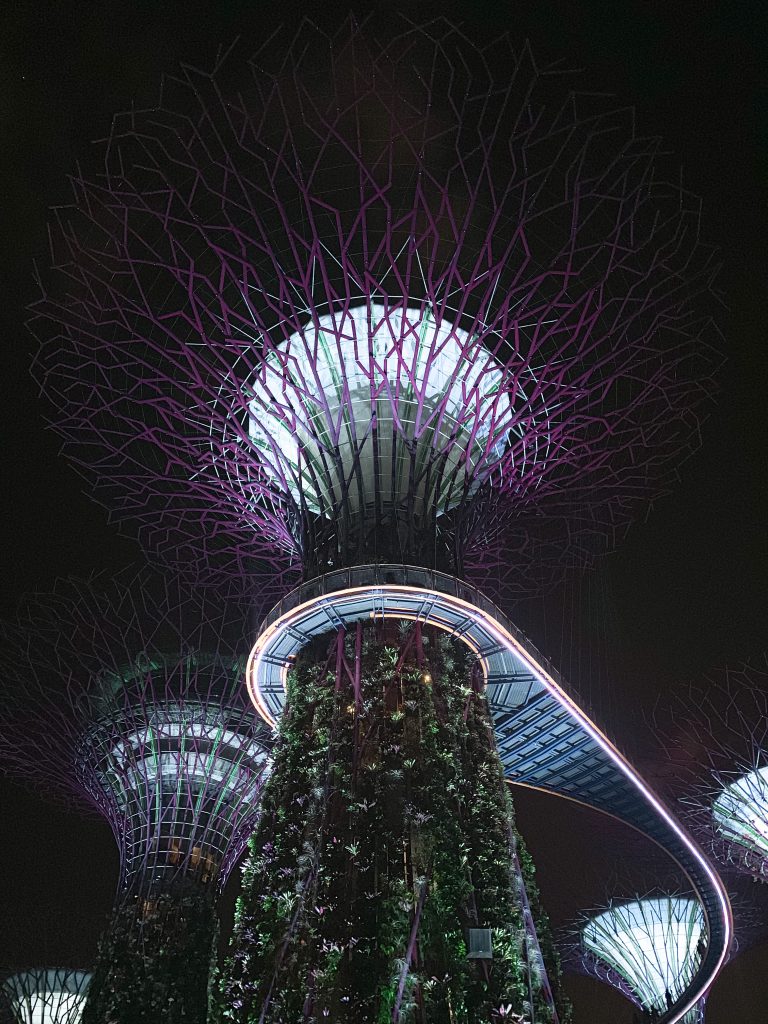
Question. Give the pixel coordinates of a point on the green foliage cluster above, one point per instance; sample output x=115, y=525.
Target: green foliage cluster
x=154, y=961
x=386, y=833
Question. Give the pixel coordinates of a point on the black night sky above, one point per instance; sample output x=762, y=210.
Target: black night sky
x=687, y=591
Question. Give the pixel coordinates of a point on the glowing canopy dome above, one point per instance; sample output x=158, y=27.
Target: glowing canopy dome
x=716, y=737
x=741, y=811
x=54, y=996
x=128, y=700
x=381, y=305
x=178, y=780
x=375, y=405
x=654, y=944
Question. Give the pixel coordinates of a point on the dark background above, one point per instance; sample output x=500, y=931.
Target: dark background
x=685, y=593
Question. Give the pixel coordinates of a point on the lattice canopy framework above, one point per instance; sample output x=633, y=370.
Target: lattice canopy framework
x=380, y=302
x=109, y=701
x=47, y=996
x=179, y=780
x=654, y=946
x=716, y=737
x=128, y=701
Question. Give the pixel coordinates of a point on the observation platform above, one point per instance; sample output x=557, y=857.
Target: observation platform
x=544, y=738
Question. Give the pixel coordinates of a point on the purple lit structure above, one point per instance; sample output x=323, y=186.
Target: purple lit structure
x=404, y=330
x=128, y=703
x=716, y=740
x=379, y=305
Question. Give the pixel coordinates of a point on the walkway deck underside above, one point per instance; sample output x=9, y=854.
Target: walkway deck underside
x=544, y=738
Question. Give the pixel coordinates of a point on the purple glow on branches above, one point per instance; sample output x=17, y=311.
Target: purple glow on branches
x=129, y=702
x=716, y=739
x=233, y=232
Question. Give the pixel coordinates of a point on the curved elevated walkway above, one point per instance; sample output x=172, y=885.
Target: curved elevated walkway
x=543, y=736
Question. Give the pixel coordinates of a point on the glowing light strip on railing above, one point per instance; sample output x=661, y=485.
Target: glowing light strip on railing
x=503, y=637
x=257, y=654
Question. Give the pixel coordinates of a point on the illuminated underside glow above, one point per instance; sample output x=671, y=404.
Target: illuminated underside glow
x=166, y=752
x=444, y=611
x=741, y=811
x=376, y=400
x=202, y=754
x=48, y=997
x=652, y=943
x=180, y=784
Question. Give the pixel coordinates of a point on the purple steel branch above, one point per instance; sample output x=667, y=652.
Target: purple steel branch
x=405, y=175
x=716, y=737
x=130, y=703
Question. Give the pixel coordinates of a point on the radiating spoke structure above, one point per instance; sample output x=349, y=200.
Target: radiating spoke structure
x=654, y=945
x=405, y=301
x=47, y=996
x=740, y=812
x=388, y=308
x=129, y=703
x=716, y=739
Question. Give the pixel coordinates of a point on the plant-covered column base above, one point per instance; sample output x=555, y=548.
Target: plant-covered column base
x=385, y=856
x=155, y=959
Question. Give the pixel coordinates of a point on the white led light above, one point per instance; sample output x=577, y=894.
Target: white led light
x=47, y=997
x=654, y=944
x=423, y=389
x=741, y=811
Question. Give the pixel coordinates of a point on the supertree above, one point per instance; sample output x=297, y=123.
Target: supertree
x=126, y=700
x=382, y=285
x=47, y=995
x=391, y=323
x=649, y=949
x=716, y=740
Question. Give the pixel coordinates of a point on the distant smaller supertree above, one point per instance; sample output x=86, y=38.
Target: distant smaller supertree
x=649, y=949
x=47, y=995
x=716, y=740
x=128, y=701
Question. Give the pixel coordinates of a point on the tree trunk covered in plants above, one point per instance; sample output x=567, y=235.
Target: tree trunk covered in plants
x=386, y=834
x=155, y=960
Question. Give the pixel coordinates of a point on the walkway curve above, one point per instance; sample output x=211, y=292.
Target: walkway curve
x=544, y=738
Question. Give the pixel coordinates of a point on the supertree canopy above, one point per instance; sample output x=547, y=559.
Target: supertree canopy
x=740, y=811
x=380, y=304
x=648, y=948
x=47, y=996
x=391, y=319
x=129, y=703
x=716, y=738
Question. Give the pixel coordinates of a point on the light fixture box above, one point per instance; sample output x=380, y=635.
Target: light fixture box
x=479, y=944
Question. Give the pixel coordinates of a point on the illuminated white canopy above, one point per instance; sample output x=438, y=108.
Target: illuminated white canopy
x=197, y=752
x=47, y=996
x=177, y=783
x=741, y=811
x=654, y=944
x=375, y=404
